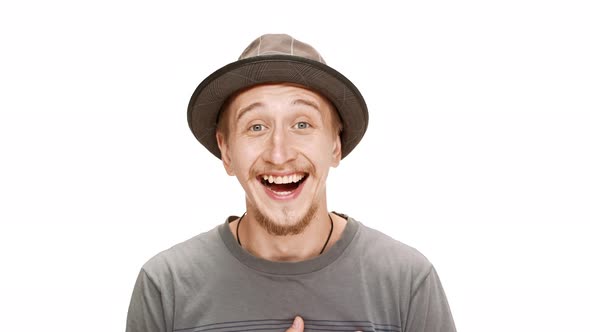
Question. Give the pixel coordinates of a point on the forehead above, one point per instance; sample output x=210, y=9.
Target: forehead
x=278, y=93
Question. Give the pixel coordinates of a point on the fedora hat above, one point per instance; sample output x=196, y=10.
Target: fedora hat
x=277, y=58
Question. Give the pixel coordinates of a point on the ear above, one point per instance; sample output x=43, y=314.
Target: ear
x=336, y=151
x=224, y=148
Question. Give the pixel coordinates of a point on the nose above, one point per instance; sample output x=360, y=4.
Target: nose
x=280, y=149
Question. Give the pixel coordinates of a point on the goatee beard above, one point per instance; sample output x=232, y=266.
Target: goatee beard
x=275, y=228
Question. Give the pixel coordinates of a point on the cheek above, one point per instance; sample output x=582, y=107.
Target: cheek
x=320, y=152
x=244, y=156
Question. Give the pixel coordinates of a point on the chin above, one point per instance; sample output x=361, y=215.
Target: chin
x=284, y=222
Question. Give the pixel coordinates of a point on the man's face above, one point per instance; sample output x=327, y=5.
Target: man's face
x=280, y=143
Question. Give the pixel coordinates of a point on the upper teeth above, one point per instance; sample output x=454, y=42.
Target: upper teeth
x=283, y=179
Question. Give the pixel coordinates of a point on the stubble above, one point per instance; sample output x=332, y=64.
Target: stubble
x=281, y=229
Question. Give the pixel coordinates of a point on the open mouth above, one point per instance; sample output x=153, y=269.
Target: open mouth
x=283, y=185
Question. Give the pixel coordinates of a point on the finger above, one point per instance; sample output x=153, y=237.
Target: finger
x=297, y=325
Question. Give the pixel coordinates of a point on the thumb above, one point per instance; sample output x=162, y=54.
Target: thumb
x=297, y=325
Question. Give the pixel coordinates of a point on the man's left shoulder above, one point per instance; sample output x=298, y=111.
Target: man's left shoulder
x=385, y=252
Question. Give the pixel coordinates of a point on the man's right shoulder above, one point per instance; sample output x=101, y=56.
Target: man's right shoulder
x=198, y=252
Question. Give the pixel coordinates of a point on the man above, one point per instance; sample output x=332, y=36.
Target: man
x=279, y=118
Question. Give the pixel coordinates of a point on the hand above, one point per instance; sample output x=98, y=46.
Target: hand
x=298, y=325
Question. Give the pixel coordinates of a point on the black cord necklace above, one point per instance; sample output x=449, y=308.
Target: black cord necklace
x=323, y=248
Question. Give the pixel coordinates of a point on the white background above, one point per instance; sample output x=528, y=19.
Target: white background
x=477, y=153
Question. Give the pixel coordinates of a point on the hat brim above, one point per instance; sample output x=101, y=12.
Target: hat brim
x=208, y=98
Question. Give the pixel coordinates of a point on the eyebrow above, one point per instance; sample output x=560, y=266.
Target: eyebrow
x=306, y=102
x=248, y=108
x=298, y=101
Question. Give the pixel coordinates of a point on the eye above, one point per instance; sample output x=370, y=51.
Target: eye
x=302, y=125
x=257, y=127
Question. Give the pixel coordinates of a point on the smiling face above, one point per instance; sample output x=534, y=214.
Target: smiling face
x=280, y=141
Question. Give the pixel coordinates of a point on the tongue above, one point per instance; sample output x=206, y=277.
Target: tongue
x=283, y=187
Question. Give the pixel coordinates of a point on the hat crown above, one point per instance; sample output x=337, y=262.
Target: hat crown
x=280, y=44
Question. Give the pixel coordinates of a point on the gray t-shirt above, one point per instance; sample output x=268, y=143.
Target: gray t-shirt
x=365, y=281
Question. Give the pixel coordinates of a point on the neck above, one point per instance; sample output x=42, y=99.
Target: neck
x=290, y=248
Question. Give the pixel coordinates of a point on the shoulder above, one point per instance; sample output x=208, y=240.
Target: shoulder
x=381, y=253
x=194, y=254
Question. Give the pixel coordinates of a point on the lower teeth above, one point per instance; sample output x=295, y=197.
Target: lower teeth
x=282, y=193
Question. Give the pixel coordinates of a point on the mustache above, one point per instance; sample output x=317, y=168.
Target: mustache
x=287, y=168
